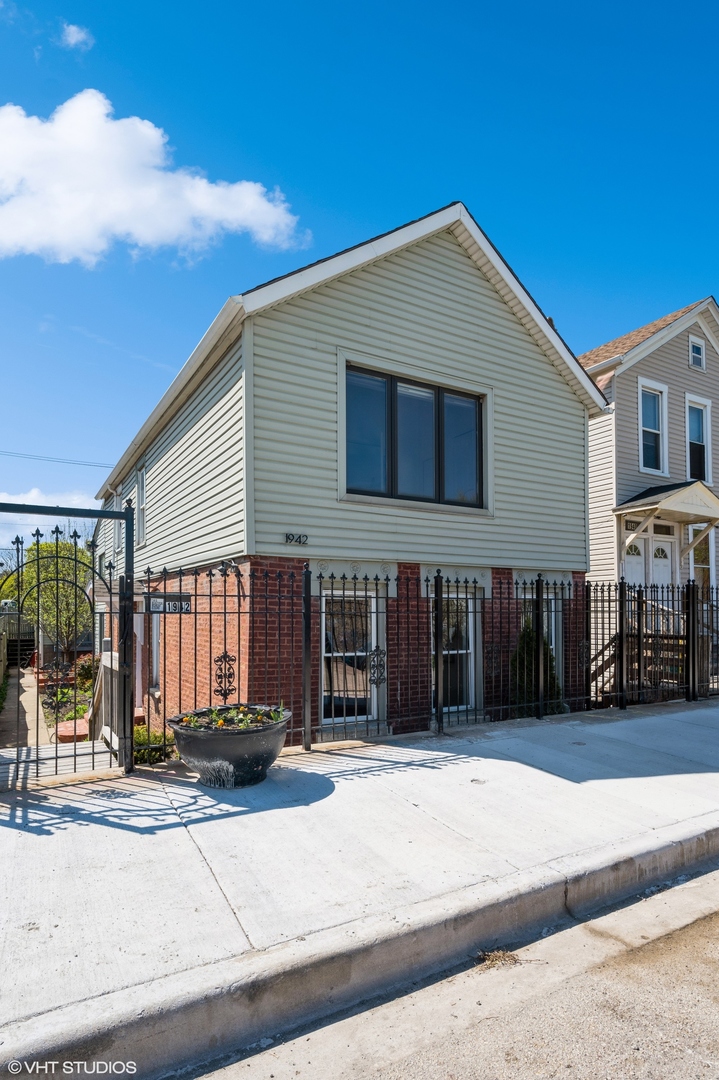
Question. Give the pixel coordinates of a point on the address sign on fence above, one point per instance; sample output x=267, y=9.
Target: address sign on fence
x=169, y=603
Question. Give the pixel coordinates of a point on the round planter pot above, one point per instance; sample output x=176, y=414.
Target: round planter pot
x=229, y=757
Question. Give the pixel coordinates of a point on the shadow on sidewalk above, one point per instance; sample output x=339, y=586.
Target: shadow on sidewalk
x=149, y=804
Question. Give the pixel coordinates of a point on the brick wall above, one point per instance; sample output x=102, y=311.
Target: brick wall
x=251, y=614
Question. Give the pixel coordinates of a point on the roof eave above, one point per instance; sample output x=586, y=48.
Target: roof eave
x=604, y=365
x=230, y=316
x=285, y=288
x=456, y=214
x=661, y=337
x=548, y=339
x=237, y=308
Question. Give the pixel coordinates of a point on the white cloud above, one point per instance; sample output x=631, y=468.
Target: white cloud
x=74, y=184
x=76, y=37
x=24, y=524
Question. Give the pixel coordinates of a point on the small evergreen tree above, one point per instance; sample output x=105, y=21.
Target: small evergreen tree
x=522, y=682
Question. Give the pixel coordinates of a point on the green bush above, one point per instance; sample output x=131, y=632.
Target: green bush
x=522, y=680
x=77, y=713
x=149, y=749
x=86, y=670
x=3, y=689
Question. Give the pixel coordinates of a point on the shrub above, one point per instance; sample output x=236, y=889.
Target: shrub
x=149, y=749
x=521, y=676
x=86, y=670
x=77, y=713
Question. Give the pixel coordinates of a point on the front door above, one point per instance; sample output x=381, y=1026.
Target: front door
x=635, y=571
x=662, y=562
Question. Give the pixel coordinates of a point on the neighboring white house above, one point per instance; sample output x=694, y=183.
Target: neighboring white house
x=653, y=462
x=404, y=401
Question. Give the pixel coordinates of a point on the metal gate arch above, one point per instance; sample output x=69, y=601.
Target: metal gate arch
x=120, y=742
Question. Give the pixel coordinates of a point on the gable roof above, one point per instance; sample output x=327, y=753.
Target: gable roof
x=623, y=349
x=455, y=218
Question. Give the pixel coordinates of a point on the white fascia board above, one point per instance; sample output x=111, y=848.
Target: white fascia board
x=604, y=365
x=708, y=331
x=275, y=292
x=572, y=370
x=169, y=402
x=661, y=337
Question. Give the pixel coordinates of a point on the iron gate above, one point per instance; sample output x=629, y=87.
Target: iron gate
x=68, y=625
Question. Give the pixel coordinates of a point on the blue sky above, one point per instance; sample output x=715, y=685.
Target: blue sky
x=580, y=136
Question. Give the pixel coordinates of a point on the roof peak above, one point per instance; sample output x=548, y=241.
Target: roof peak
x=620, y=345
x=354, y=247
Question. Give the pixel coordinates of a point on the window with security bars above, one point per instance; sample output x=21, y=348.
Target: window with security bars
x=348, y=632
x=458, y=653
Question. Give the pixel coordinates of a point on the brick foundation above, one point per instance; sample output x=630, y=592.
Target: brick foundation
x=251, y=613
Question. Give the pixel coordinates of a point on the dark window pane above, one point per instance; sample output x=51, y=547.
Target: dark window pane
x=650, y=410
x=461, y=482
x=366, y=432
x=651, y=458
x=415, y=441
x=697, y=466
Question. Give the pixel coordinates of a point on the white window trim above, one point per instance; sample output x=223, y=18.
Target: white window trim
x=694, y=340
x=693, y=530
x=141, y=485
x=702, y=403
x=663, y=391
x=386, y=366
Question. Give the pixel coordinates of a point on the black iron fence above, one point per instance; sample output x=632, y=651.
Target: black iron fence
x=356, y=657
x=107, y=661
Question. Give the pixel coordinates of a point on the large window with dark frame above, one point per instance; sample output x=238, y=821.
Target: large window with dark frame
x=408, y=440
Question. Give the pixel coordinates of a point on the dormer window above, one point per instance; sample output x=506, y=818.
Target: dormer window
x=697, y=353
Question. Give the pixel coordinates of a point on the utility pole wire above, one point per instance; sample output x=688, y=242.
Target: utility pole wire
x=59, y=460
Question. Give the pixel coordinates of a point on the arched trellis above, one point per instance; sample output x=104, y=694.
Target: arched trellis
x=75, y=570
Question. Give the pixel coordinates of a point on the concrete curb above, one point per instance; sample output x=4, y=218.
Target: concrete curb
x=205, y=1012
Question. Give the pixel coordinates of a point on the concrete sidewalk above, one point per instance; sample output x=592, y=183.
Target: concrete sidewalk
x=149, y=919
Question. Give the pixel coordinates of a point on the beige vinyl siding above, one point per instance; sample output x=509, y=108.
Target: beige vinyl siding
x=194, y=477
x=104, y=534
x=430, y=308
x=669, y=365
x=602, y=527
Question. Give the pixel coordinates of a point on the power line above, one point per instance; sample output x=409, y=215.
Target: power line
x=59, y=460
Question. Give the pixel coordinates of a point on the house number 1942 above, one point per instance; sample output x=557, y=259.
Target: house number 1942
x=295, y=538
